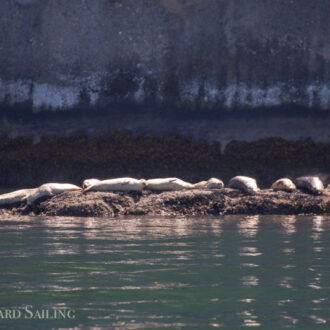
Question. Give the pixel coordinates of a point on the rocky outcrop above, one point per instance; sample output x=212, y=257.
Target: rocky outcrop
x=186, y=202
x=27, y=164
x=57, y=54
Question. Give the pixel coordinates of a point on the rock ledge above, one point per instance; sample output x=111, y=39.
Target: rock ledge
x=185, y=202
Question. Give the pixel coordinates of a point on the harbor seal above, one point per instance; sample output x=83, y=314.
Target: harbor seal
x=119, y=184
x=167, y=184
x=311, y=184
x=244, y=183
x=89, y=182
x=212, y=183
x=18, y=196
x=50, y=189
x=283, y=184
x=200, y=185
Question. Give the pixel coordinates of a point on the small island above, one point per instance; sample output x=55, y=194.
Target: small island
x=196, y=202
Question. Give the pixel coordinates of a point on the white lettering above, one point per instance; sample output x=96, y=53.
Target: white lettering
x=71, y=314
x=29, y=314
x=37, y=315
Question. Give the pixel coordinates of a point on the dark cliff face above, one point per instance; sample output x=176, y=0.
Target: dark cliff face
x=57, y=54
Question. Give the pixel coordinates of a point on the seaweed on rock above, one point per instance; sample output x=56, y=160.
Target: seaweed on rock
x=145, y=155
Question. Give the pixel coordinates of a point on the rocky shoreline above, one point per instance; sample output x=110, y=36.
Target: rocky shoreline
x=194, y=202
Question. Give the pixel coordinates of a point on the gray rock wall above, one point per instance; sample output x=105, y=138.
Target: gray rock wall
x=60, y=54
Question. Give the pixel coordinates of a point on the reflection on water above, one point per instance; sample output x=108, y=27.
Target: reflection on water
x=248, y=227
x=136, y=273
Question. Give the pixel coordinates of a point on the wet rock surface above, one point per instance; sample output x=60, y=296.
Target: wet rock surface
x=186, y=202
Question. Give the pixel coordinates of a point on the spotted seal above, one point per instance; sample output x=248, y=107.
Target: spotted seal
x=212, y=183
x=283, y=184
x=119, y=184
x=167, y=184
x=89, y=182
x=50, y=189
x=311, y=184
x=244, y=183
x=18, y=196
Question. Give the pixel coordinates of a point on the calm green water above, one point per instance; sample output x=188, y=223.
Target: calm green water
x=232, y=271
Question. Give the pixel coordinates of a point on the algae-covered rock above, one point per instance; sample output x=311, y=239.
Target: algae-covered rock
x=175, y=203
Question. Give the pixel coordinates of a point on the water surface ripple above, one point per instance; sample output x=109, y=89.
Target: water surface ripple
x=137, y=273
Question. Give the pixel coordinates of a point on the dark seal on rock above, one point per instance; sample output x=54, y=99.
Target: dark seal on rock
x=311, y=184
x=244, y=183
x=283, y=184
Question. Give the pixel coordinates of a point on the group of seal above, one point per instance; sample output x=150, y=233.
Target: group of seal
x=161, y=184
x=29, y=196
x=309, y=184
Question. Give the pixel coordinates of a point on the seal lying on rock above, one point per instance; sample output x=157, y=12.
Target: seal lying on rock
x=200, y=185
x=120, y=184
x=212, y=183
x=89, y=182
x=283, y=184
x=49, y=189
x=311, y=184
x=168, y=184
x=244, y=183
x=18, y=196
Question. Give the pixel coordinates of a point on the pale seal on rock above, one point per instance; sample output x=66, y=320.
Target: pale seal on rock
x=212, y=183
x=14, y=197
x=168, y=184
x=200, y=185
x=50, y=189
x=119, y=184
x=283, y=184
x=244, y=183
x=311, y=184
x=89, y=182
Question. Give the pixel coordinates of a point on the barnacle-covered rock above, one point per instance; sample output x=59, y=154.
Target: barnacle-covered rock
x=183, y=202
